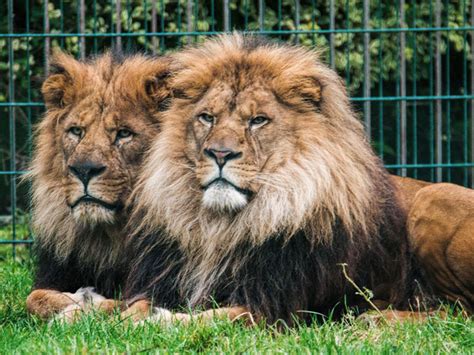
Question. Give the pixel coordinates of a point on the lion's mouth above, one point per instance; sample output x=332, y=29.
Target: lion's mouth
x=90, y=199
x=223, y=181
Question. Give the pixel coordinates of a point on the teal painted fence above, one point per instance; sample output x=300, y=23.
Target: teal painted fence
x=408, y=67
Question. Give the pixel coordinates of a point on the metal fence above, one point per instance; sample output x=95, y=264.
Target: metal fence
x=408, y=66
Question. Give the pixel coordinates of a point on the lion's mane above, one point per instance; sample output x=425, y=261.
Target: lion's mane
x=329, y=202
x=66, y=248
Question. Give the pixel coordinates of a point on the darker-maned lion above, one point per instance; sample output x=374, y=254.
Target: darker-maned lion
x=259, y=187
x=101, y=117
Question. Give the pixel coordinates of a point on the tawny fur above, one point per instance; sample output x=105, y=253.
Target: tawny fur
x=88, y=88
x=84, y=246
x=441, y=228
x=323, y=184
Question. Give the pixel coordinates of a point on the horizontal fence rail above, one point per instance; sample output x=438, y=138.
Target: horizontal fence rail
x=407, y=65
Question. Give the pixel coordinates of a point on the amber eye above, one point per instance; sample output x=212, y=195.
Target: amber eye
x=258, y=121
x=76, y=131
x=206, y=119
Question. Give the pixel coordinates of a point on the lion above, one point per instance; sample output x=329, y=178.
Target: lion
x=441, y=227
x=101, y=117
x=262, y=194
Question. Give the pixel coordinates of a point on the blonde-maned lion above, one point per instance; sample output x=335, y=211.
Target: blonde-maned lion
x=101, y=116
x=259, y=187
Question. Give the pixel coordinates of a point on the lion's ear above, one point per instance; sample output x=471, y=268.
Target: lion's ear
x=304, y=92
x=157, y=88
x=310, y=91
x=58, y=88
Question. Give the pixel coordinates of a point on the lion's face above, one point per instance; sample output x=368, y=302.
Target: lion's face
x=258, y=139
x=101, y=147
x=101, y=119
x=237, y=140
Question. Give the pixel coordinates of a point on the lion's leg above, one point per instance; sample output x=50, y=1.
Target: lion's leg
x=138, y=311
x=143, y=310
x=88, y=301
x=67, y=306
x=45, y=303
x=396, y=316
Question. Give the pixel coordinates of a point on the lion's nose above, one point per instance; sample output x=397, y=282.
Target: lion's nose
x=222, y=155
x=85, y=171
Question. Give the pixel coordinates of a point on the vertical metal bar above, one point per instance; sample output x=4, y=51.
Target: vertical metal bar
x=118, y=25
x=313, y=21
x=162, y=26
x=82, y=29
x=226, y=16
x=28, y=88
x=261, y=15
x=28, y=110
x=431, y=92
x=380, y=91
x=297, y=20
x=111, y=28
x=438, y=113
x=367, y=114
x=465, y=89
x=213, y=16
x=472, y=93
x=397, y=105
x=11, y=119
x=415, y=103
x=332, y=25
x=94, y=30
x=195, y=18
x=180, y=24
x=189, y=19
x=129, y=24
x=61, y=8
x=348, y=45
x=403, y=92
x=46, y=39
x=279, y=16
x=145, y=25
x=246, y=14
x=448, y=93
x=153, y=26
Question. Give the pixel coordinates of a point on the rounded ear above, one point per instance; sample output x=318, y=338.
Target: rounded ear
x=310, y=91
x=158, y=90
x=304, y=92
x=57, y=89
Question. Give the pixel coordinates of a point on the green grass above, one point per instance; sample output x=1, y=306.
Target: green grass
x=21, y=333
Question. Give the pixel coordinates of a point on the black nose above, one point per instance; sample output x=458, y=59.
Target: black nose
x=85, y=171
x=222, y=156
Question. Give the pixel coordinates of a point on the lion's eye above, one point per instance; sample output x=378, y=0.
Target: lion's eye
x=123, y=134
x=258, y=121
x=206, y=119
x=76, y=131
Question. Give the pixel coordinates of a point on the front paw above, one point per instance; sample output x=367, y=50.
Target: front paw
x=70, y=314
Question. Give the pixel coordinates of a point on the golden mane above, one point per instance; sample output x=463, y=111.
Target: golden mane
x=131, y=86
x=329, y=186
x=329, y=179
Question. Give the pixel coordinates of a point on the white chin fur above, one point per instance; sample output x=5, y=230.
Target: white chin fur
x=92, y=214
x=223, y=197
